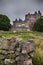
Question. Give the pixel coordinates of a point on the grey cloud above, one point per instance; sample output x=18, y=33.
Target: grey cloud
x=18, y=8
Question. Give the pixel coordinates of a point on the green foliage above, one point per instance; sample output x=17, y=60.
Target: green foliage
x=38, y=26
x=4, y=23
x=38, y=58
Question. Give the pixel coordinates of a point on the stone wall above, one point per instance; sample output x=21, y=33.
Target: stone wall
x=28, y=23
x=16, y=51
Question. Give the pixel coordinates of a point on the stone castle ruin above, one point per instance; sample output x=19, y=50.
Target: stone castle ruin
x=28, y=23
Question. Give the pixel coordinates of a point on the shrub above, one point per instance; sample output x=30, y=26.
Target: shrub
x=38, y=26
x=4, y=23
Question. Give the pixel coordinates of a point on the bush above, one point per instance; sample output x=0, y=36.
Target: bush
x=4, y=23
x=38, y=26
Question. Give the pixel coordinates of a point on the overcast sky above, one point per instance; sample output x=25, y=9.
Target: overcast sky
x=18, y=8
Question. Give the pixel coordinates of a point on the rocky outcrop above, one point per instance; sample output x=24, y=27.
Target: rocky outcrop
x=17, y=51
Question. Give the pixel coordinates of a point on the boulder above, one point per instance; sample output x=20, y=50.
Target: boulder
x=9, y=61
x=5, y=43
x=28, y=62
x=27, y=47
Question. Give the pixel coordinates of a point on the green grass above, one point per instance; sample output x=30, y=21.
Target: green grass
x=26, y=35
x=6, y=34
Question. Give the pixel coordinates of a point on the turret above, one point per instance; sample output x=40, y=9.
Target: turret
x=39, y=13
x=35, y=13
x=15, y=21
x=27, y=16
x=20, y=20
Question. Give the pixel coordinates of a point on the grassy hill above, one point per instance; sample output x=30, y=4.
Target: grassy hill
x=26, y=35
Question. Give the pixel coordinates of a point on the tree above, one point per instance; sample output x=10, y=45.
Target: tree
x=4, y=23
x=38, y=26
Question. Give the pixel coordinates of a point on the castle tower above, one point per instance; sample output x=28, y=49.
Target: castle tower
x=29, y=21
x=27, y=16
x=39, y=13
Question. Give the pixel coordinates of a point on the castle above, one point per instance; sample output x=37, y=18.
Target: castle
x=28, y=23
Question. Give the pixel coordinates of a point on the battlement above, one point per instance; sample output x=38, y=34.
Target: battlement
x=28, y=22
x=35, y=15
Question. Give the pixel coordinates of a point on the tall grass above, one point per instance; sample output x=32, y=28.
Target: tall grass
x=38, y=57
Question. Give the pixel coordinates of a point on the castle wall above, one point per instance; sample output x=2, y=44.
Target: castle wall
x=28, y=23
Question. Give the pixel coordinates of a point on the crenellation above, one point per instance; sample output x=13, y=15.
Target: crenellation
x=29, y=21
x=39, y=13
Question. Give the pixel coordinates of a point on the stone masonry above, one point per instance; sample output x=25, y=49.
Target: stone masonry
x=28, y=23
